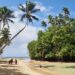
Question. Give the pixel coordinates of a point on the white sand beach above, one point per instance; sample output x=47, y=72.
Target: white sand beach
x=22, y=68
x=33, y=68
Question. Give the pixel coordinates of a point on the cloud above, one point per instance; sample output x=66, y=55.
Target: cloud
x=39, y=6
x=42, y=7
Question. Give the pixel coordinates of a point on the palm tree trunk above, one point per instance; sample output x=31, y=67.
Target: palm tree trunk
x=18, y=33
x=13, y=37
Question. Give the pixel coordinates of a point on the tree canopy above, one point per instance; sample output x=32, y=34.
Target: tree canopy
x=57, y=43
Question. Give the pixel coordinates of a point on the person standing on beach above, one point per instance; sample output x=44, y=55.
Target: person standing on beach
x=11, y=61
x=15, y=61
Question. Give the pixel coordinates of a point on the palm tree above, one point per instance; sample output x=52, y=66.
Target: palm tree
x=5, y=35
x=4, y=39
x=28, y=10
x=60, y=16
x=6, y=16
x=66, y=11
x=44, y=23
x=51, y=20
x=66, y=15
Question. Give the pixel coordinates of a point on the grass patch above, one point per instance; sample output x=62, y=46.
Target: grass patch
x=73, y=67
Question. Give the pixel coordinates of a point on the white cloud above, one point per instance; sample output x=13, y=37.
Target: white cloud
x=43, y=8
x=39, y=6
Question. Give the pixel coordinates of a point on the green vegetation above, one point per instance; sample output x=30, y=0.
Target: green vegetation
x=73, y=67
x=5, y=17
x=57, y=42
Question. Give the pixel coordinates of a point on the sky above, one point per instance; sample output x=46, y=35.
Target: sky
x=18, y=46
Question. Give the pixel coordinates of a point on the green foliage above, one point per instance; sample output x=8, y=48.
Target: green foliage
x=31, y=47
x=5, y=35
x=4, y=38
x=44, y=24
x=57, y=43
x=28, y=11
x=40, y=34
x=6, y=16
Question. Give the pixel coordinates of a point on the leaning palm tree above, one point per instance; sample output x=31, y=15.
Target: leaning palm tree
x=28, y=10
x=6, y=16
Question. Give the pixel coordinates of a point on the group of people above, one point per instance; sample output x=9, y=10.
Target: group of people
x=11, y=61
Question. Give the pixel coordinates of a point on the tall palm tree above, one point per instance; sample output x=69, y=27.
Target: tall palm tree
x=28, y=10
x=6, y=16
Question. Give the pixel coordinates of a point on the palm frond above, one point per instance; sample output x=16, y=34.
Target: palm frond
x=22, y=8
x=23, y=16
x=66, y=11
x=11, y=20
x=12, y=16
x=30, y=19
x=35, y=10
x=34, y=17
x=43, y=23
x=29, y=9
x=30, y=6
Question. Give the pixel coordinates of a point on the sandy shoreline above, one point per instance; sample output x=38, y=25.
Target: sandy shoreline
x=22, y=68
x=33, y=68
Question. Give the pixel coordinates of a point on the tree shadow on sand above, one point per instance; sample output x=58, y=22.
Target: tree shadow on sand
x=8, y=66
x=5, y=71
x=73, y=67
x=44, y=66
